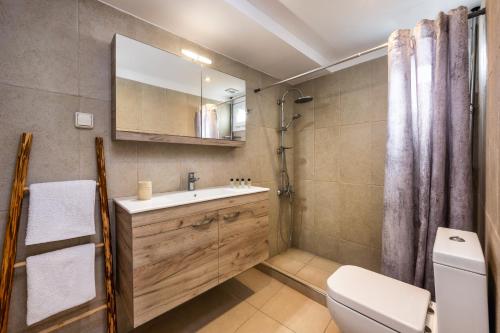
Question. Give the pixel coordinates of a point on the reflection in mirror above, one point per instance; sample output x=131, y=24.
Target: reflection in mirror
x=156, y=92
x=223, y=110
x=161, y=97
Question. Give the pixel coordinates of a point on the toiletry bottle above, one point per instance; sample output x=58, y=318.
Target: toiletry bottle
x=242, y=183
x=231, y=183
x=249, y=183
x=237, y=184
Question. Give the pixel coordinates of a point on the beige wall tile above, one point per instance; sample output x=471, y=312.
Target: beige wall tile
x=359, y=255
x=328, y=246
x=328, y=200
x=355, y=105
x=355, y=159
x=50, y=117
x=326, y=153
x=304, y=154
x=304, y=238
x=349, y=151
x=304, y=204
x=40, y=51
x=360, y=224
x=378, y=152
x=327, y=110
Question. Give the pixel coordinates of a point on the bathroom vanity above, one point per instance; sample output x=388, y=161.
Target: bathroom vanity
x=178, y=245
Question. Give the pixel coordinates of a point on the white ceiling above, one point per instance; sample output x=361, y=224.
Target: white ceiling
x=286, y=37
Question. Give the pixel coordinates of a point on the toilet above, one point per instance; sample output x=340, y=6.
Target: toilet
x=362, y=301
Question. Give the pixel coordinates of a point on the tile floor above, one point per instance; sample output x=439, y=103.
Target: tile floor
x=252, y=302
x=306, y=266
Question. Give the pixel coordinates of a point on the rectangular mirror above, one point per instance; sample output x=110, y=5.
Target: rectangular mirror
x=159, y=96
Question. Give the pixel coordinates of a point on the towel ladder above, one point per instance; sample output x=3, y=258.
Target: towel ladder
x=12, y=228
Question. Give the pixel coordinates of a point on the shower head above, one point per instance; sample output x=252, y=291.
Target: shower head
x=295, y=117
x=303, y=99
x=300, y=100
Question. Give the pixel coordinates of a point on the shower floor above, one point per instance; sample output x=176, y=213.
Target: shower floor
x=304, y=267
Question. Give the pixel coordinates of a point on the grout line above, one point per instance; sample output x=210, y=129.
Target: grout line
x=276, y=320
x=47, y=91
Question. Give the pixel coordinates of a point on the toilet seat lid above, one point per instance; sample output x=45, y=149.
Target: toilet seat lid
x=393, y=303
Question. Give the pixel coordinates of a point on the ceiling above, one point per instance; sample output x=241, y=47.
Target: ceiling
x=287, y=37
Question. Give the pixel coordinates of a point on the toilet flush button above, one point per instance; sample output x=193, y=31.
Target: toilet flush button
x=457, y=239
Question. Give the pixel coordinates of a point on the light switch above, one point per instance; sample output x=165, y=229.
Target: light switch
x=84, y=120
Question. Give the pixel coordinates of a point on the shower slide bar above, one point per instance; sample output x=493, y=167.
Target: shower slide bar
x=472, y=14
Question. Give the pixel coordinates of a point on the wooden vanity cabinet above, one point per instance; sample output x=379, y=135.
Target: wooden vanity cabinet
x=168, y=256
x=242, y=238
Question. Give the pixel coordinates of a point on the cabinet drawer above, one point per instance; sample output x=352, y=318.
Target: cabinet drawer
x=243, y=240
x=172, y=266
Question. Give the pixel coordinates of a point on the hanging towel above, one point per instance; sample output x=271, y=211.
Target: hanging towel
x=206, y=122
x=61, y=210
x=59, y=280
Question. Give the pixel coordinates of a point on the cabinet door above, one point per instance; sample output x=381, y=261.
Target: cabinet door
x=243, y=240
x=172, y=266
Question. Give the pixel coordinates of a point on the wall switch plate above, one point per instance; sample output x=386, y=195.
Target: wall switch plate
x=84, y=120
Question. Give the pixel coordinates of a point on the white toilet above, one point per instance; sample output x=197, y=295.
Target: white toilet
x=362, y=301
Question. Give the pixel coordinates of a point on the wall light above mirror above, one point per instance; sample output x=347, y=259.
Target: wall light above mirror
x=161, y=97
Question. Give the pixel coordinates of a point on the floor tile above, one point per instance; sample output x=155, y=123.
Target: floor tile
x=260, y=323
x=332, y=327
x=230, y=320
x=215, y=305
x=298, y=255
x=314, y=276
x=297, y=312
x=324, y=264
x=285, y=263
x=253, y=286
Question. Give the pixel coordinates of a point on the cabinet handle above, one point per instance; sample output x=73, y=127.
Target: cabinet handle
x=204, y=222
x=231, y=217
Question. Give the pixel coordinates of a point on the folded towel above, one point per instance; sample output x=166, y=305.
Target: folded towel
x=61, y=210
x=59, y=280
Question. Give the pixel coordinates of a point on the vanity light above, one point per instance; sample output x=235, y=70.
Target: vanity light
x=207, y=79
x=195, y=56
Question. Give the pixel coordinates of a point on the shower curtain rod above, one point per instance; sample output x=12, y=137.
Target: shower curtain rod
x=473, y=14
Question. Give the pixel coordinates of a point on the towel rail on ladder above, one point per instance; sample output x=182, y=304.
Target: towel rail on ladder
x=12, y=228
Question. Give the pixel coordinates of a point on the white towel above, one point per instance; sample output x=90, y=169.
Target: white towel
x=59, y=280
x=61, y=210
x=206, y=122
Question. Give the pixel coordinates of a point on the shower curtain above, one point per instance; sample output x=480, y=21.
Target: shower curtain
x=428, y=165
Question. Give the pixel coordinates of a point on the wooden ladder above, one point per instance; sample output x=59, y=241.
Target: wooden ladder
x=10, y=243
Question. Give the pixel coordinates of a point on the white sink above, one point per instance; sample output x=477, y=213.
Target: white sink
x=171, y=199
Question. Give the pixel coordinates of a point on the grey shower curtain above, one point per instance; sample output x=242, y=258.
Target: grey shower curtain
x=428, y=166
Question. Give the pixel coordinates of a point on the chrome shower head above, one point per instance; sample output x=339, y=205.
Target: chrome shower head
x=295, y=117
x=303, y=99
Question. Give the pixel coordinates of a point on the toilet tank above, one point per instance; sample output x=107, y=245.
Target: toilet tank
x=460, y=282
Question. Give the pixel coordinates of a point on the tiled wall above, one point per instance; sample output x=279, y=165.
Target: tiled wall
x=339, y=165
x=55, y=60
x=492, y=201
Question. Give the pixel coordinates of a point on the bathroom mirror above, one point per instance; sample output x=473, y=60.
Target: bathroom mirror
x=159, y=96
